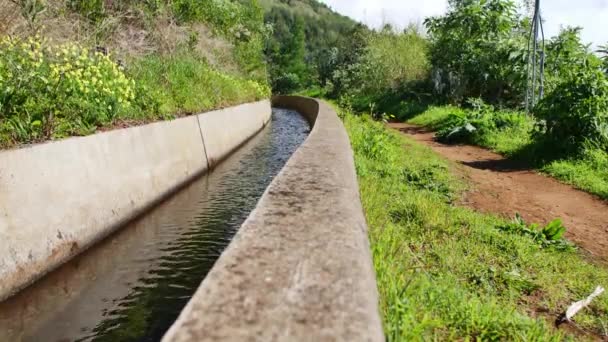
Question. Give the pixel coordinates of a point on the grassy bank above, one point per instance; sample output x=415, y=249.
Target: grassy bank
x=71, y=68
x=512, y=134
x=52, y=92
x=446, y=272
x=184, y=83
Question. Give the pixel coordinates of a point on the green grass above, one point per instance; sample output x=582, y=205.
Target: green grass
x=184, y=83
x=588, y=172
x=40, y=103
x=448, y=273
x=508, y=140
x=189, y=56
x=585, y=171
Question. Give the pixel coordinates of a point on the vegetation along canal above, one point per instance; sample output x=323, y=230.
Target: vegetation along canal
x=132, y=286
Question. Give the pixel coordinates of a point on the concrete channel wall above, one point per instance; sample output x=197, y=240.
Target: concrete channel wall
x=300, y=267
x=59, y=198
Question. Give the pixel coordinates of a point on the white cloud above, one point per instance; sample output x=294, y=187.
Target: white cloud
x=592, y=15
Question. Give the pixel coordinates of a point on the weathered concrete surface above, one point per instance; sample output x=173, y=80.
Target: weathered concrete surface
x=220, y=130
x=59, y=198
x=300, y=268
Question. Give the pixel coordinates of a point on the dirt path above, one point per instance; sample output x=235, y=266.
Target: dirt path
x=499, y=186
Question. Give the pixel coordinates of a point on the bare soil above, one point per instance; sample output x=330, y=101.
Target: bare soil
x=498, y=185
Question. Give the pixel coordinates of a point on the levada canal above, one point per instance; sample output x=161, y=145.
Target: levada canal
x=133, y=285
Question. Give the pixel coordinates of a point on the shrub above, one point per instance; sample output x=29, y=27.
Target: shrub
x=468, y=125
x=388, y=67
x=53, y=91
x=550, y=236
x=577, y=110
x=475, y=50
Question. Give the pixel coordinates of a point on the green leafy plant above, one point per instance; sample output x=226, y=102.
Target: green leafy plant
x=463, y=126
x=550, y=235
x=53, y=91
x=476, y=51
x=577, y=110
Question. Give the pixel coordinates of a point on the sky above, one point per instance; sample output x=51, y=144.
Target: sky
x=591, y=15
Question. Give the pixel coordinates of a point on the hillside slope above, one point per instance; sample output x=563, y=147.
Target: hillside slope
x=70, y=67
x=305, y=43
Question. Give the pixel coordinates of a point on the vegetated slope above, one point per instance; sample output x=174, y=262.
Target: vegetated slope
x=70, y=67
x=448, y=273
x=305, y=42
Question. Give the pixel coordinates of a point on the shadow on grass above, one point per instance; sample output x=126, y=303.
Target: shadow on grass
x=498, y=165
x=535, y=155
x=540, y=153
x=415, y=130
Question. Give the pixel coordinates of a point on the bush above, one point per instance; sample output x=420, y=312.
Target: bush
x=476, y=50
x=389, y=67
x=577, y=110
x=54, y=91
x=480, y=120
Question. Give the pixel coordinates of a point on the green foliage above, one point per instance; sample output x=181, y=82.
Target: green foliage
x=286, y=53
x=469, y=126
x=233, y=19
x=185, y=84
x=448, y=273
x=603, y=52
x=49, y=92
x=550, y=236
x=585, y=170
x=91, y=9
x=390, y=61
x=577, y=109
x=239, y=23
x=388, y=72
x=307, y=43
x=477, y=51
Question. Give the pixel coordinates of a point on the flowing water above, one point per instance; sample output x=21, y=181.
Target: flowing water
x=133, y=285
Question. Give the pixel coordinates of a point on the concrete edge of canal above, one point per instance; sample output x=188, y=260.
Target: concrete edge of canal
x=59, y=198
x=300, y=267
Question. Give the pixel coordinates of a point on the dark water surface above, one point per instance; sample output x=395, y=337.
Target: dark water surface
x=132, y=286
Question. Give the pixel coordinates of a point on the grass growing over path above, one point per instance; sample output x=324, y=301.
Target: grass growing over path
x=513, y=137
x=445, y=272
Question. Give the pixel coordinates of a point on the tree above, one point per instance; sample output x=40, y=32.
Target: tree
x=477, y=51
x=286, y=53
x=603, y=51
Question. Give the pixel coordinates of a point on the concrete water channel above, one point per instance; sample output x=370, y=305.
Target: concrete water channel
x=133, y=285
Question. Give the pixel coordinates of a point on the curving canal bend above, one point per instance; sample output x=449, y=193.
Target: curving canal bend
x=133, y=285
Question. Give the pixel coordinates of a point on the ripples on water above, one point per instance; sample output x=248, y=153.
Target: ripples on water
x=133, y=286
